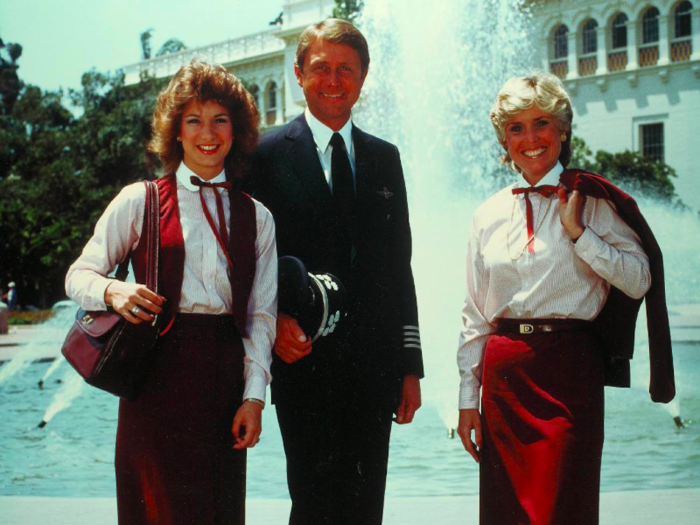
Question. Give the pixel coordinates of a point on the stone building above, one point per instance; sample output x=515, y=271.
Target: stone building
x=632, y=68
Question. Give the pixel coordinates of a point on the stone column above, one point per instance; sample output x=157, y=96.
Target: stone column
x=602, y=53
x=663, y=41
x=695, y=24
x=632, y=58
x=544, y=47
x=279, y=116
x=572, y=58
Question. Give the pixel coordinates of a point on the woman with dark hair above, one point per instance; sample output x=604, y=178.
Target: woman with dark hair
x=181, y=445
x=542, y=261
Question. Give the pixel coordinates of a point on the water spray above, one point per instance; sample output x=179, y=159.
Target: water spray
x=674, y=408
x=73, y=386
x=50, y=371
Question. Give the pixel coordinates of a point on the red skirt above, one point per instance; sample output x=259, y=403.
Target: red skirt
x=542, y=423
x=174, y=459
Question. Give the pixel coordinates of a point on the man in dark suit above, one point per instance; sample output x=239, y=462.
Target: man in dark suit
x=339, y=202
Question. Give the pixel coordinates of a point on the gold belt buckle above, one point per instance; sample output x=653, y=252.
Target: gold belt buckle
x=526, y=328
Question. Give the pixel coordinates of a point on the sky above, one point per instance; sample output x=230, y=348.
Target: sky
x=62, y=39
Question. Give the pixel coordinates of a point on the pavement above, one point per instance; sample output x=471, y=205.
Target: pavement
x=655, y=507
x=658, y=507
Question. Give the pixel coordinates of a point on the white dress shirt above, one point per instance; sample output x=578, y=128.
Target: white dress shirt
x=205, y=287
x=560, y=280
x=322, y=137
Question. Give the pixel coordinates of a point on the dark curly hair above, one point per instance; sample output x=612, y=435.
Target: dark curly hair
x=204, y=82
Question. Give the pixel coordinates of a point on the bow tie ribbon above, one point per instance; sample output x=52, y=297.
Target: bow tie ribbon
x=546, y=191
x=221, y=233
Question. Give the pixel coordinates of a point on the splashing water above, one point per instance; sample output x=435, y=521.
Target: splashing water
x=440, y=71
x=72, y=386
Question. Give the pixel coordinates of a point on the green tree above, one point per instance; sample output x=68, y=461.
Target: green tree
x=146, y=43
x=348, y=10
x=60, y=172
x=172, y=45
x=629, y=169
x=10, y=84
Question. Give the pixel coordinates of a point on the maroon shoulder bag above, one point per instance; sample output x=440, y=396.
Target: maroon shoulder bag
x=104, y=348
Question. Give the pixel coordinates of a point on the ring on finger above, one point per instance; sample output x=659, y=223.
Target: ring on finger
x=135, y=310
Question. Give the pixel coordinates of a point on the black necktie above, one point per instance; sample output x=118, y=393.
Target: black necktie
x=343, y=199
x=341, y=174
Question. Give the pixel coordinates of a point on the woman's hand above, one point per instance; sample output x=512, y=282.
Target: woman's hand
x=125, y=297
x=291, y=343
x=247, y=425
x=470, y=419
x=570, y=209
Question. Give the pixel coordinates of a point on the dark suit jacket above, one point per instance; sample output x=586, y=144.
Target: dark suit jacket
x=369, y=351
x=616, y=323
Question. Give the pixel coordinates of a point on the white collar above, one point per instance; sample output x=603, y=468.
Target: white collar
x=322, y=134
x=184, y=173
x=551, y=179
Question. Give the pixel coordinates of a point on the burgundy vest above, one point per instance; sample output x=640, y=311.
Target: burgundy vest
x=171, y=264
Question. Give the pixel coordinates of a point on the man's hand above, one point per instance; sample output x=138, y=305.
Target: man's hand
x=410, y=400
x=291, y=343
x=570, y=209
x=127, y=297
x=247, y=425
x=470, y=419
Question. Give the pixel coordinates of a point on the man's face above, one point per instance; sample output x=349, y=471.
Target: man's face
x=332, y=79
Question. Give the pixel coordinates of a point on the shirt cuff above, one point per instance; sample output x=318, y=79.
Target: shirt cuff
x=468, y=397
x=588, y=246
x=255, y=386
x=95, y=297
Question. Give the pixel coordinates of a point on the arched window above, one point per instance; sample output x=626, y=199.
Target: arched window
x=619, y=31
x=271, y=109
x=590, y=37
x=272, y=96
x=255, y=91
x=561, y=42
x=682, y=20
x=682, y=44
x=650, y=26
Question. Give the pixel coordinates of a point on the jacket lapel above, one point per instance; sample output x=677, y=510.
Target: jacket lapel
x=304, y=159
x=365, y=168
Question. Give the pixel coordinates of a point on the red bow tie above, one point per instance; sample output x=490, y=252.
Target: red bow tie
x=544, y=190
x=222, y=233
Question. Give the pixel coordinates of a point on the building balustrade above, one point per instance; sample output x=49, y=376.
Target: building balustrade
x=223, y=52
x=648, y=55
x=681, y=50
x=617, y=61
x=587, y=65
x=559, y=68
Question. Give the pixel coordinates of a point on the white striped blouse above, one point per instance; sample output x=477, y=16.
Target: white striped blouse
x=559, y=280
x=205, y=288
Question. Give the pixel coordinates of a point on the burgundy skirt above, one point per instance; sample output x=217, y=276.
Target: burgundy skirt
x=542, y=423
x=175, y=464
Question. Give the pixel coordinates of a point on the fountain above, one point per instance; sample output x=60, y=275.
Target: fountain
x=434, y=73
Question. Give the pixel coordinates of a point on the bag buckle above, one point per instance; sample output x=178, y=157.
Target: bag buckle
x=87, y=319
x=526, y=328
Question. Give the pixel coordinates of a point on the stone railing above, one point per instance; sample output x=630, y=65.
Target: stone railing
x=222, y=52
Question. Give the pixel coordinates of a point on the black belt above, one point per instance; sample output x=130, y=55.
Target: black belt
x=534, y=326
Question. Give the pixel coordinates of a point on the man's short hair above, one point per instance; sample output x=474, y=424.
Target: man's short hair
x=335, y=31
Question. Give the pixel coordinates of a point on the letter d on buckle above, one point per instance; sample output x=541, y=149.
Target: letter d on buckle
x=526, y=328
